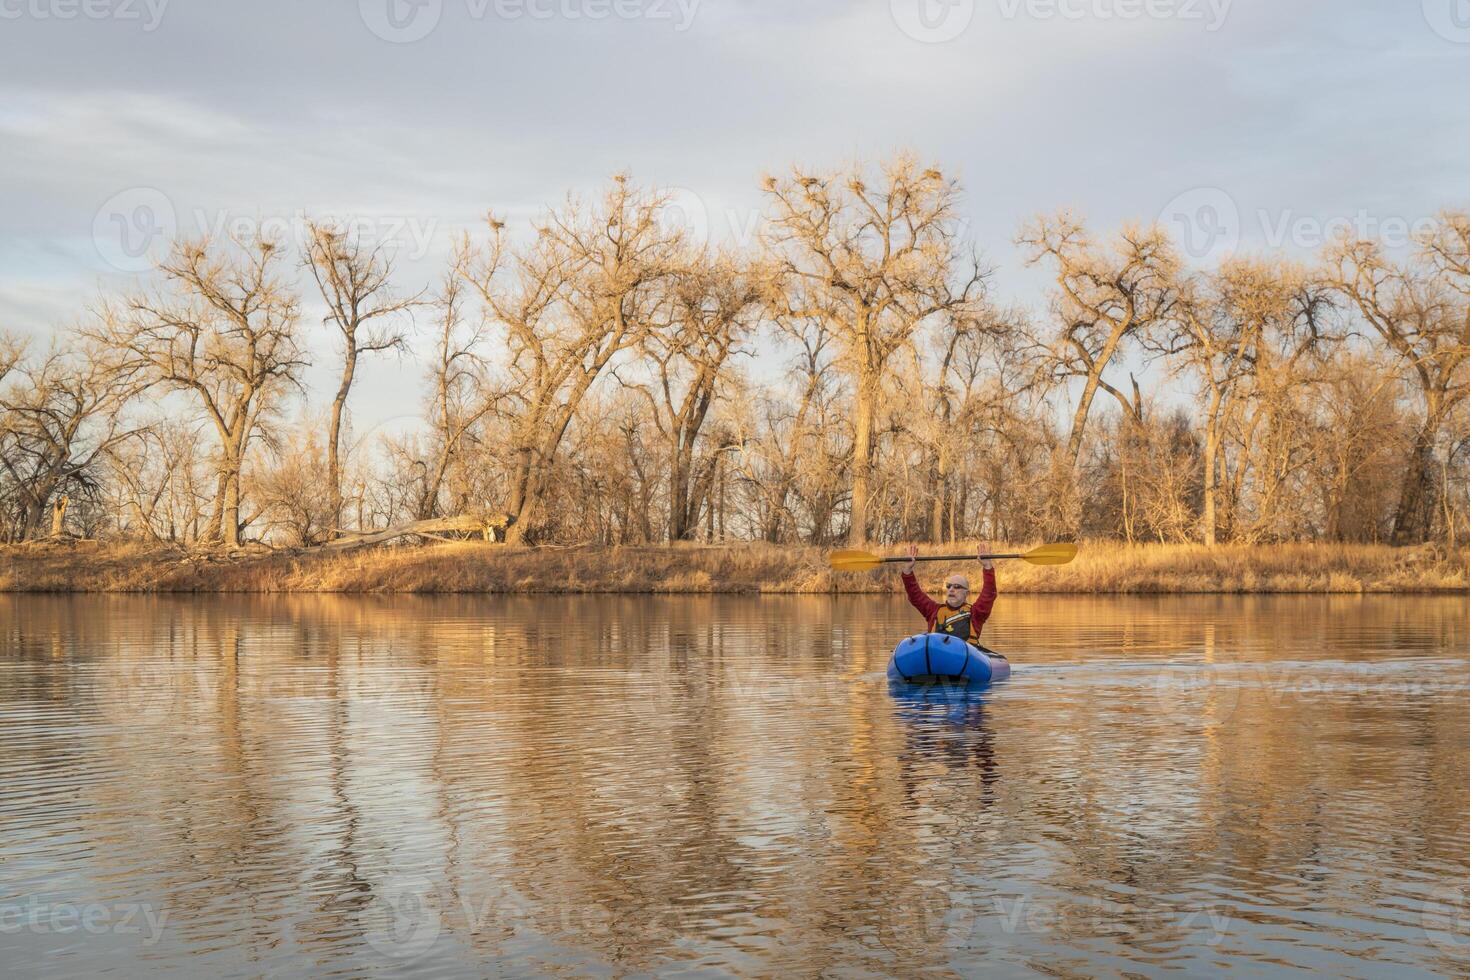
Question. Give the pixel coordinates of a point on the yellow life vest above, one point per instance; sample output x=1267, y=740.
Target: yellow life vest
x=956, y=622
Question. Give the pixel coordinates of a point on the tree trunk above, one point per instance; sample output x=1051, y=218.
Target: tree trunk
x=709, y=518
x=486, y=528
x=214, y=530
x=35, y=519
x=937, y=483
x=230, y=518
x=1447, y=507
x=1414, y=516
x=865, y=409
x=58, y=515
x=1079, y=418
x=334, y=464
x=526, y=508
x=720, y=489
x=1212, y=450
x=681, y=515
x=1123, y=458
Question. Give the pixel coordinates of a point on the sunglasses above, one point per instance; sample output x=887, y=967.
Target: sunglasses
x=962, y=588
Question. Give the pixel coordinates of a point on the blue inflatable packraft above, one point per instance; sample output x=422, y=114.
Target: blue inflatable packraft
x=933, y=658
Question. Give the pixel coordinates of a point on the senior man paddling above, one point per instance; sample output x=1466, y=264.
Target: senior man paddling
x=957, y=616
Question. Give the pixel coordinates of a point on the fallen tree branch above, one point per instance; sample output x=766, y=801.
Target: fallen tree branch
x=486, y=526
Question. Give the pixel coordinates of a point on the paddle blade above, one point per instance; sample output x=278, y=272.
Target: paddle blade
x=1051, y=554
x=854, y=561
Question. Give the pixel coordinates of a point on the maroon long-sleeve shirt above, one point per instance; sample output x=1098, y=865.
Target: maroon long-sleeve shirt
x=979, y=609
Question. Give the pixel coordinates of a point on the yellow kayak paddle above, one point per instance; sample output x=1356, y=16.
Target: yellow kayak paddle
x=862, y=561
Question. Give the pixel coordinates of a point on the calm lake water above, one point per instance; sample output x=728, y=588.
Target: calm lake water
x=709, y=786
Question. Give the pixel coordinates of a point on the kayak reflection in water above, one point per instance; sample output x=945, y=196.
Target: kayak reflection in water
x=957, y=616
x=945, y=724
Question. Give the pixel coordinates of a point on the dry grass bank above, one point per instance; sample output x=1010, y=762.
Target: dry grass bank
x=93, y=566
x=1101, y=567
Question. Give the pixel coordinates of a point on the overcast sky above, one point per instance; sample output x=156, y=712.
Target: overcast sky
x=1245, y=124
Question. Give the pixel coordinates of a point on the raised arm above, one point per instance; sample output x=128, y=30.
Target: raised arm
x=917, y=596
x=980, y=608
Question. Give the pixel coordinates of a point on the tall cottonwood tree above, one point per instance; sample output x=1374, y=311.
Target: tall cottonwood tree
x=589, y=286
x=715, y=302
x=1357, y=448
x=224, y=329
x=794, y=447
x=354, y=281
x=870, y=257
x=1228, y=322
x=459, y=396
x=1106, y=295
x=951, y=374
x=1421, y=310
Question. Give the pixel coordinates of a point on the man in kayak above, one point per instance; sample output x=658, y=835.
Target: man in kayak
x=957, y=616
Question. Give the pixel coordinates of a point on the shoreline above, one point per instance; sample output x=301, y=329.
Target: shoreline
x=1101, y=568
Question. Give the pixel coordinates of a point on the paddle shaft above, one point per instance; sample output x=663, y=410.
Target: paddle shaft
x=890, y=561
x=861, y=561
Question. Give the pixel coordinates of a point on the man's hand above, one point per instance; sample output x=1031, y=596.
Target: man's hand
x=913, y=556
x=984, y=550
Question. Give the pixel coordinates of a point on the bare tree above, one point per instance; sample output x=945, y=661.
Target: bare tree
x=289, y=490
x=1105, y=297
x=1357, y=448
x=227, y=334
x=12, y=348
x=590, y=286
x=1422, y=311
x=60, y=415
x=795, y=456
x=1224, y=324
x=158, y=487
x=1455, y=481
x=953, y=376
x=353, y=280
x=459, y=395
x=715, y=304
x=870, y=264
x=1142, y=478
